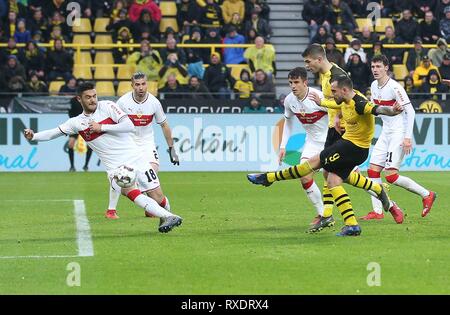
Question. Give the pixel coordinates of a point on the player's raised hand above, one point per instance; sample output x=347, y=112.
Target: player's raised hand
x=281, y=155
x=173, y=156
x=28, y=133
x=407, y=146
x=314, y=97
x=95, y=127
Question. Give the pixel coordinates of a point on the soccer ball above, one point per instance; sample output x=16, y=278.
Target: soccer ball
x=125, y=176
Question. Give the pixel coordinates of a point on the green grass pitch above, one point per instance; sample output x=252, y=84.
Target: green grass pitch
x=236, y=238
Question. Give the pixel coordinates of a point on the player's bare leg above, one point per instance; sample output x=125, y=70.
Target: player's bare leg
x=164, y=201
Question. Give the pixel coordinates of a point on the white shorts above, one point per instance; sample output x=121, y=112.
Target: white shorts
x=146, y=178
x=311, y=148
x=388, y=151
x=151, y=155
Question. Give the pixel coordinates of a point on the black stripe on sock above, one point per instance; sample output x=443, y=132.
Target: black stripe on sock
x=357, y=181
x=327, y=202
x=342, y=202
x=340, y=197
x=281, y=175
x=328, y=195
x=296, y=171
x=351, y=215
x=276, y=176
x=346, y=211
x=365, y=183
x=370, y=186
x=291, y=173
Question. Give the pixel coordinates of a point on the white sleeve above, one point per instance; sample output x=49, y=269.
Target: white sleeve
x=160, y=116
x=321, y=96
x=47, y=135
x=115, y=112
x=68, y=128
x=124, y=125
x=287, y=131
x=403, y=99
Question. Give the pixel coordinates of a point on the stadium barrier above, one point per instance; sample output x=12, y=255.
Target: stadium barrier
x=209, y=142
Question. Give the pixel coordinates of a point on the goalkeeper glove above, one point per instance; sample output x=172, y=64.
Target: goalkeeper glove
x=173, y=156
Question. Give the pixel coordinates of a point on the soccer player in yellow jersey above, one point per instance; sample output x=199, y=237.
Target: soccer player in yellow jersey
x=340, y=158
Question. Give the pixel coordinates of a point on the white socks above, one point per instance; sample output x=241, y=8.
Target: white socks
x=314, y=195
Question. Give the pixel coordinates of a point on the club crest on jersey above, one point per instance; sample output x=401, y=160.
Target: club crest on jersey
x=139, y=114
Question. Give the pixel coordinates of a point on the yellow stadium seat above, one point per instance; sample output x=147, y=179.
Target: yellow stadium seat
x=400, y=72
x=104, y=73
x=105, y=88
x=166, y=22
x=124, y=87
x=361, y=22
x=83, y=58
x=55, y=86
x=168, y=8
x=82, y=72
x=125, y=72
x=84, y=27
x=104, y=57
x=152, y=87
x=381, y=25
x=82, y=39
x=236, y=70
x=104, y=39
x=100, y=25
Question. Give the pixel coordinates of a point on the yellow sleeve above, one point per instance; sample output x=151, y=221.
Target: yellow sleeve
x=329, y=103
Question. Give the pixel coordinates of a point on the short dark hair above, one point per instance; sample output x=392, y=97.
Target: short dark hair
x=138, y=75
x=381, y=58
x=342, y=81
x=85, y=86
x=298, y=72
x=314, y=50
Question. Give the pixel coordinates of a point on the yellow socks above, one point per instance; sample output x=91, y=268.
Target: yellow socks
x=293, y=172
x=360, y=181
x=344, y=205
x=328, y=201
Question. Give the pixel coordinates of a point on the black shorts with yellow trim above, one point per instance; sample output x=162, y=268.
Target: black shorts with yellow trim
x=341, y=157
x=332, y=137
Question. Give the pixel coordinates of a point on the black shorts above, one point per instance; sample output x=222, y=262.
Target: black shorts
x=341, y=158
x=332, y=137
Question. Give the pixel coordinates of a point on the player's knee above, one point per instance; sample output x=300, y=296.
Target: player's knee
x=373, y=173
x=156, y=194
x=392, y=178
x=132, y=194
x=307, y=183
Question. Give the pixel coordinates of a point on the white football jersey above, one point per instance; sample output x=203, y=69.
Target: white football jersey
x=113, y=149
x=387, y=95
x=142, y=114
x=312, y=116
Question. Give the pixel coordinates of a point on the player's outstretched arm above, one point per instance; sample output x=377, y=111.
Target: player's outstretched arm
x=387, y=110
x=45, y=135
x=124, y=125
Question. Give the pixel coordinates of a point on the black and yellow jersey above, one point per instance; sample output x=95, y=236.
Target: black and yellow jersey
x=328, y=101
x=358, y=115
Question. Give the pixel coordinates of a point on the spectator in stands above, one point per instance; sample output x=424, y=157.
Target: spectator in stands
x=437, y=54
x=244, y=86
x=233, y=55
x=440, y=9
x=138, y=6
x=173, y=66
x=171, y=48
x=194, y=55
x=261, y=7
x=263, y=85
x=146, y=60
x=120, y=23
x=340, y=39
x=341, y=17
x=218, y=78
x=315, y=13
x=278, y=106
x=367, y=36
x=211, y=14
x=254, y=106
x=55, y=34
x=33, y=60
x=10, y=25
x=444, y=25
x=407, y=28
x=394, y=7
x=36, y=86
x=121, y=54
x=444, y=69
x=188, y=14
x=59, y=62
x=421, y=7
x=169, y=33
x=355, y=48
x=321, y=36
x=13, y=75
x=11, y=49
x=261, y=56
x=250, y=36
x=212, y=37
x=59, y=6
x=59, y=20
x=70, y=88
x=376, y=50
x=415, y=56
x=433, y=84
x=172, y=89
x=429, y=29
x=360, y=7
x=260, y=25
x=39, y=23
x=395, y=55
x=333, y=54
x=197, y=90
x=145, y=23
x=409, y=86
x=116, y=9
x=229, y=7
x=359, y=72
x=422, y=71
x=235, y=22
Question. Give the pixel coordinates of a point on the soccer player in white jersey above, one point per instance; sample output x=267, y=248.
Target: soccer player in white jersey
x=107, y=130
x=314, y=120
x=395, y=140
x=143, y=108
